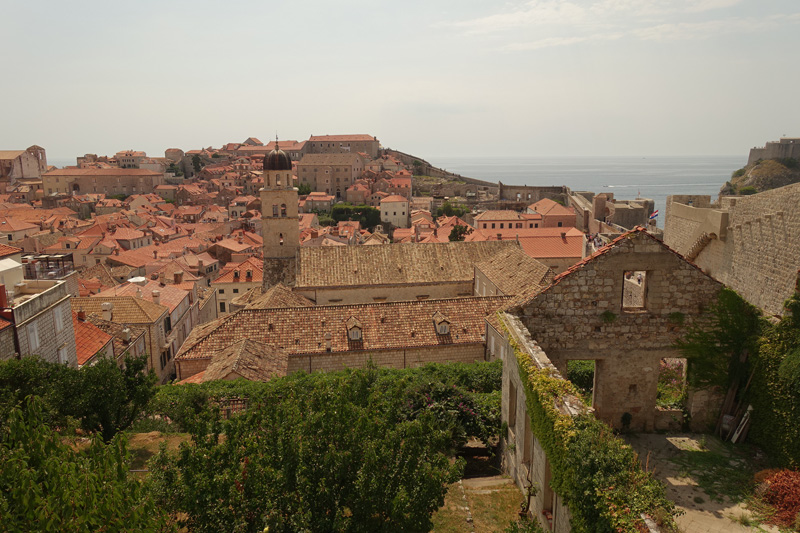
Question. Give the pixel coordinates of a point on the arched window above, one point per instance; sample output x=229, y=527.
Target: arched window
x=274, y=210
x=280, y=236
x=283, y=210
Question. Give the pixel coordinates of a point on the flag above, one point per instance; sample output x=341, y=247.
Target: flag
x=654, y=215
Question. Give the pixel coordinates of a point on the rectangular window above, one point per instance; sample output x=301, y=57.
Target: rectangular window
x=33, y=338
x=222, y=291
x=222, y=307
x=58, y=319
x=634, y=290
x=62, y=355
x=235, y=291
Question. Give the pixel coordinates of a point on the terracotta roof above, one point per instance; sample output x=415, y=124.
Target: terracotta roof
x=14, y=224
x=117, y=333
x=4, y=324
x=546, y=206
x=386, y=326
x=548, y=245
x=498, y=215
x=338, y=138
x=393, y=264
x=169, y=296
x=249, y=359
x=10, y=154
x=99, y=272
x=513, y=271
x=228, y=274
x=102, y=172
x=89, y=339
x=127, y=309
x=394, y=198
x=6, y=250
x=277, y=296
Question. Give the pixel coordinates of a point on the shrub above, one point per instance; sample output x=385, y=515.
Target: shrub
x=782, y=492
x=747, y=191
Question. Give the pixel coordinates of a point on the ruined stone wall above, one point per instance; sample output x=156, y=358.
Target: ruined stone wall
x=582, y=317
x=758, y=250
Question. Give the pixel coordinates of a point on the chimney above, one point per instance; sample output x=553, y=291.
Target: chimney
x=199, y=263
x=82, y=315
x=107, y=308
x=126, y=335
x=155, y=254
x=156, y=296
x=327, y=342
x=564, y=236
x=240, y=239
x=177, y=277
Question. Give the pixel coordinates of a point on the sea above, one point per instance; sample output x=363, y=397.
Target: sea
x=626, y=177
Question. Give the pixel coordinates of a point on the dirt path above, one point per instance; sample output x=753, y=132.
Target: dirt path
x=677, y=460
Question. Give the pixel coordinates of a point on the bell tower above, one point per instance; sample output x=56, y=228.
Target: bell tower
x=280, y=223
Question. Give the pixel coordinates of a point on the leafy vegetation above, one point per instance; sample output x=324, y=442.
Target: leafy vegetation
x=359, y=450
x=459, y=233
x=748, y=190
x=714, y=347
x=304, y=189
x=581, y=374
x=368, y=216
x=452, y=210
x=598, y=475
x=101, y=397
x=671, y=384
x=46, y=483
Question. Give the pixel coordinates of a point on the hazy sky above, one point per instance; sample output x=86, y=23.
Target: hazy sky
x=432, y=77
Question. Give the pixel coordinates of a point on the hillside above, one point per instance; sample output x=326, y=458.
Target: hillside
x=762, y=175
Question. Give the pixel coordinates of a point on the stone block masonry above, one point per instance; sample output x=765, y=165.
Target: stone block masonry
x=758, y=255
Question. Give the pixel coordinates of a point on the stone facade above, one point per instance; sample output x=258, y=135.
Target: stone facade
x=749, y=243
x=581, y=316
x=43, y=321
x=784, y=148
x=109, y=181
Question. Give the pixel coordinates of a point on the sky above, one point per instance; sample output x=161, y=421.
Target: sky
x=429, y=77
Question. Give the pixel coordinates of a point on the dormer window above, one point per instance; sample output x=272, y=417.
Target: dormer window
x=442, y=323
x=353, y=329
x=235, y=274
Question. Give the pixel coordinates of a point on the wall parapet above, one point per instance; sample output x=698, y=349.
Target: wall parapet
x=586, y=478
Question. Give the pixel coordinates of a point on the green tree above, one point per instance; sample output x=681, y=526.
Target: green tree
x=451, y=210
x=111, y=399
x=715, y=346
x=314, y=454
x=46, y=485
x=367, y=215
x=197, y=163
x=459, y=233
x=102, y=397
x=304, y=189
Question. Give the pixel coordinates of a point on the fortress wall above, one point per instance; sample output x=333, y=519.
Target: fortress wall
x=775, y=150
x=757, y=252
x=761, y=257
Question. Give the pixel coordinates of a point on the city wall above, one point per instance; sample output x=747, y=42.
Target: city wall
x=782, y=149
x=756, y=252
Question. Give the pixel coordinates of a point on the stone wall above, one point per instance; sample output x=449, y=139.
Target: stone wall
x=776, y=150
x=328, y=362
x=756, y=251
x=581, y=316
x=531, y=194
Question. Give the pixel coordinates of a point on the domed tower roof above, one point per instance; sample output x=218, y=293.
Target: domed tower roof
x=277, y=159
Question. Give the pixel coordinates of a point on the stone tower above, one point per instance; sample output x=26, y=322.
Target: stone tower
x=280, y=224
